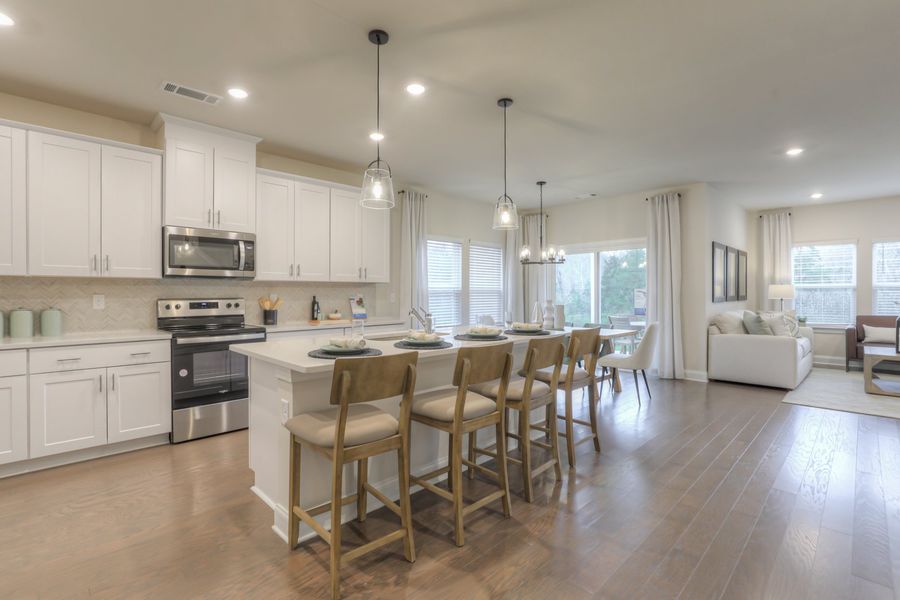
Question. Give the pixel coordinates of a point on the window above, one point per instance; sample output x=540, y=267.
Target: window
x=575, y=287
x=886, y=278
x=445, y=282
x=465, y=281
x=485, y=282
x=825, y=282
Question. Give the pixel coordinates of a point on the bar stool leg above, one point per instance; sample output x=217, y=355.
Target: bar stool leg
x=294, y=520
x=547, y=416
x=525, y=445
x=570, y=430
x=361, y=494
x=456, y=475
x=450, y=462
x=473, y=441
x=554, y=442
x=409, y=546
x=592, y=400
x=337, y=472
x=501, y=466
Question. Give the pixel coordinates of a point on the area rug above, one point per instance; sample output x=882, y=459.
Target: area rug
x=838, y=390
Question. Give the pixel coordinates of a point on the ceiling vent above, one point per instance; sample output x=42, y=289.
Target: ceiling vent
x=186, y=92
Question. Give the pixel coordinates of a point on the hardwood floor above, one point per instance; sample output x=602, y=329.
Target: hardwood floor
x=706, y=491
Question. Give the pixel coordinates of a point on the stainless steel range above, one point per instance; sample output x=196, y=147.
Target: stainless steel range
x=209, y=382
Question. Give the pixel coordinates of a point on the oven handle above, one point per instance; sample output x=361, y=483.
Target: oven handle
x=206, y=339
x=241, y=255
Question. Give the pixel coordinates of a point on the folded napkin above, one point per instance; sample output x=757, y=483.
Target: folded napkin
x=526, y=326
x=485, y=330
x=348, y=342
x=421, y=336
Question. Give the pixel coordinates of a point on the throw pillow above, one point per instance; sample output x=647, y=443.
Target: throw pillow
x=879, y=335
x=789, y=317
x=755, y=324
x=778, y=325
x=729, y=322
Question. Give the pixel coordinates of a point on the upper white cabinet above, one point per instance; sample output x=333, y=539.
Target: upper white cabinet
x=13, y=247
x=376, y=245
x=210, y=176
x=275, y=228
x=346, y=229
x=93, y=210
x=312, y=215
x=131, y=193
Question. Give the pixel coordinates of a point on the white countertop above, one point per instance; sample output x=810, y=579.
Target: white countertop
x=294, y=353
x=325, y=324
x=83, y=338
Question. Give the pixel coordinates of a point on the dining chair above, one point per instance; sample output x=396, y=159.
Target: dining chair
x=459, y=411
x=353, y=431
x=623, y=322
x=640, y=360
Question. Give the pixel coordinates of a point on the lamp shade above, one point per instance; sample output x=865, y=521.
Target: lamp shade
x=505, y=214
x=781, y=291
x=377, y=187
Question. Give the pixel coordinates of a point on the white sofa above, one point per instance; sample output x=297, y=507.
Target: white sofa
x=770, y=360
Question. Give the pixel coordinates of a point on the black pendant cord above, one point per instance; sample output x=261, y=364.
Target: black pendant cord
x=378, y=103
x=505, y=195
x=541, y=235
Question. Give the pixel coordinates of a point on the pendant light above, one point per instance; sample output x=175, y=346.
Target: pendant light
x=505, y=214
x=550, y=256
x=377, y=188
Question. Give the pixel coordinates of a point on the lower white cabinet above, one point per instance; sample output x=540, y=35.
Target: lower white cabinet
x=138, y=401
x=67, y=411
x=13, y=419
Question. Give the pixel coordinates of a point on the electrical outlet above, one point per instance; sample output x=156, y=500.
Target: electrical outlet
x=393, y=298
x=285, y=411
x=99, y=301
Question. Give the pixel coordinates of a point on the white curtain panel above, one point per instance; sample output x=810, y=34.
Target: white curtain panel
x=413, y=251
x=513, y=270
x=538, y=281
x=664, y=283
x=776, y=254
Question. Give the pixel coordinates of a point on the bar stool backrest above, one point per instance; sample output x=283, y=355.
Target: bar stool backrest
x=543, y=353
x=486, y=363
x=583, y=344
x=373, y=378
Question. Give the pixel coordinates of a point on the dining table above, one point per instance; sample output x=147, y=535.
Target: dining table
x=607, y=339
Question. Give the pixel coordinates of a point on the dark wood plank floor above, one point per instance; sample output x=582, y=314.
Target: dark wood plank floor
x=706, y=491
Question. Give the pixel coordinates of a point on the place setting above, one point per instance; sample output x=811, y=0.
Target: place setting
x=419, y=340
x=344, y=347
x=518, y=328
x=481, y=333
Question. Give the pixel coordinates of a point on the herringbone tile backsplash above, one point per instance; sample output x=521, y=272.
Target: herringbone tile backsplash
x=131, y=303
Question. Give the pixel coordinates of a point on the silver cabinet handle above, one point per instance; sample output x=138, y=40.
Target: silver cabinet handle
x=291, y=274
x=65, y=360
x=94, y=263
x=209, y=216
x=219, y=219
x=366, y=273
x=113, y=382
x=140, y=354
x=101, y=382
x=359, y=275
x=107, y=263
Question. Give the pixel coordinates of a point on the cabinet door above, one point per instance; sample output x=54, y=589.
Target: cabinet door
x=12, y=202
x=63, y=206
x=13, y=419
x=235, y=188
x=376, y=245
x=189, y=184
x=139, y=401
x=67, y=411
x=275, y=221
x=312, y=234
x=345, y=233
x=131, y=197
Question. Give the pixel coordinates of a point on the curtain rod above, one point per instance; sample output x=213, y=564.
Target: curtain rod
x=761, y=216
x=404, y=191
x=676, y=193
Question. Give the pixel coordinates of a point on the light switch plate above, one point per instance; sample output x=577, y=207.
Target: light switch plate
x=285, y=411
x=99, y=301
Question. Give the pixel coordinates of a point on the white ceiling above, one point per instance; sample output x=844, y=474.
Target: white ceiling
x=611, y=96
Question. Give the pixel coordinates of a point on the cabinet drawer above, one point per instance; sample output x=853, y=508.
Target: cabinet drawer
x=71, y=358
x=13, y=362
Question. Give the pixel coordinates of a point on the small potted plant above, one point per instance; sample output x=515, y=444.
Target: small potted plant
x=801, y=320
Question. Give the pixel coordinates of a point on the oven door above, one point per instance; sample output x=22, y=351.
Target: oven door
x=208, y=372
x=190, y=252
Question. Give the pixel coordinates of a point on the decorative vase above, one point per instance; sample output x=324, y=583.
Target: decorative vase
x=549, y=315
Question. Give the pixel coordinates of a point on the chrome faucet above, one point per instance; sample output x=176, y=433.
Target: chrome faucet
x=427, y=321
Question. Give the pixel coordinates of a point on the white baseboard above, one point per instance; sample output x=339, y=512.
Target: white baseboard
x=700, y=376
x=831, y=362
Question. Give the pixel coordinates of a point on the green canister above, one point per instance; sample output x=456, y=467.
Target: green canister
x=51, y=322
x=21, y=323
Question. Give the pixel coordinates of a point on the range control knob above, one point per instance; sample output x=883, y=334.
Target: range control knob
x=177, y=307
x=228, y=305
x=168, y=307
x=237, y=304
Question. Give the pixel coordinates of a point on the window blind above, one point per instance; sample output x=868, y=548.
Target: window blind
x=886, y=278
x=445, y=282
x=825, y=282
x=485, y=282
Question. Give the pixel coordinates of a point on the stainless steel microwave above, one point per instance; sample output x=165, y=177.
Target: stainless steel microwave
x=191, y=252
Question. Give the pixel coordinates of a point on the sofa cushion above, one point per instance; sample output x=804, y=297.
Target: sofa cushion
x=804, y=346
x=729, y=322
x=755, y=324
x=874, y=320
x=879, y=335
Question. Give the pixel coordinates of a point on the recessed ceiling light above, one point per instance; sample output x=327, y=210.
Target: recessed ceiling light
x=794, y=151
x=416, y=89
x=238, y=93
x=6, y=21
x=816, y=195
x=376, y=136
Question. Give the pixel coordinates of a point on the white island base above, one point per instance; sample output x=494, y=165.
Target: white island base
x=284, y=382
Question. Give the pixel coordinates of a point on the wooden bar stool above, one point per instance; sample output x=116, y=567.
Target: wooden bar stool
x=584, y=345
x=459, y=411
x=355, y=431
x=525, y=395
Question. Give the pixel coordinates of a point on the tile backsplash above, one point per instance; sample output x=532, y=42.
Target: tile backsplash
x=131, y=303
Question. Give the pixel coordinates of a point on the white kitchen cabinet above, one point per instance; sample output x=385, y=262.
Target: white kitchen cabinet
x=275, y=225
x=138, y=401
x=376, y=245
x=189, y=183
x=345, y=242
x=13, y=173
x=13, y=419
x=234, y=187
x=131, y=200
x=312, y=218
x=67, y=411
x=63, y=206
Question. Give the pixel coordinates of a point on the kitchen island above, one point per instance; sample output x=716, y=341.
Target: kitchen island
x=285, y=381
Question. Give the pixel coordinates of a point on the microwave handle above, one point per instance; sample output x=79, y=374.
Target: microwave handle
x=242, y=255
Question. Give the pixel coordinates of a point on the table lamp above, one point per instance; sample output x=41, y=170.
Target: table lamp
x=781, y=291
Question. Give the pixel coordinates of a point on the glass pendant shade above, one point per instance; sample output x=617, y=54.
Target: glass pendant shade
x=505, y=214
x=377, y=187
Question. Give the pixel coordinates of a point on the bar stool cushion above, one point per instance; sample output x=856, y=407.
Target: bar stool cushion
x=514, y=391
x=365, y=423
x=441, y=404
x=546, y=374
